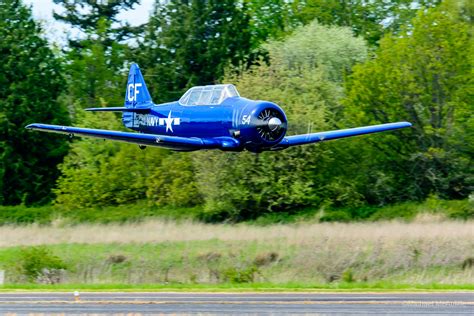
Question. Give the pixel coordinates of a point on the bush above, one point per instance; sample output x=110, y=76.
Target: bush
x=405, y=211
x=336, y=216
x=461, y=209
x=21, y=214
x=126, y=213
x=240, y=275
x=348, y=276
x=363, y=212
x=39, y=263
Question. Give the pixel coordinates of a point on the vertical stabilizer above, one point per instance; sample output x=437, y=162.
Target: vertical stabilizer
x=137, y=93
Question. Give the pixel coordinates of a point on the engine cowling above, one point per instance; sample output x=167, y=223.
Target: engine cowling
x=264, y=127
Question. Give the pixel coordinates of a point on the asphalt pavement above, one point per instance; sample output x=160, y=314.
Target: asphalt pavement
x=30, y=303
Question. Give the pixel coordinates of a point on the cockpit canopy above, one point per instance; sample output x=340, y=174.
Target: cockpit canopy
x=208, y=95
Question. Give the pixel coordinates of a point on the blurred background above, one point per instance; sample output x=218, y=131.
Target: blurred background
x=328, y=64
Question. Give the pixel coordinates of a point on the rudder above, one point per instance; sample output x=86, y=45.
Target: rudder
x=136, y=95
x=136, y=92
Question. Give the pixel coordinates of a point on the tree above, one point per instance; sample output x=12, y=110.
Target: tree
x=369, y=19
x=310, y=47
x=94, y=72
x=95, y=58
x=173, y=182
x=270, y=19
x=423, y=76
x=189, y=43
x=30, y=84
x=97, y=173
x=86, y=15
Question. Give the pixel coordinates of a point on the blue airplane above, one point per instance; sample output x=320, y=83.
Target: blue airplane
x=205, y=117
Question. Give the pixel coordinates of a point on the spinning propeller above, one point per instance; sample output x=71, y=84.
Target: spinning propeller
x=271, y=124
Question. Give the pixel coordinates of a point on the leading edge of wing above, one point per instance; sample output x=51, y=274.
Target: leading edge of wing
x=342, y=133
x=171, y=142
x=120, y=109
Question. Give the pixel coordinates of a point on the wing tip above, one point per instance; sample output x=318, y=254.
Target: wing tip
x=31, y=126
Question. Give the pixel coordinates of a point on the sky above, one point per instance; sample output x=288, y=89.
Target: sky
x=58, y=32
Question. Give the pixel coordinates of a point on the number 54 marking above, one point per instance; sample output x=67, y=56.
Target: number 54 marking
x=246, y=119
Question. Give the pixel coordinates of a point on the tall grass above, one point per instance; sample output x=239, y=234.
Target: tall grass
x=160, y=231
x=428, y=250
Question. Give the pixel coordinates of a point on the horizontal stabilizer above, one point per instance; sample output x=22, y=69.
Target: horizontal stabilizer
x=120, y=109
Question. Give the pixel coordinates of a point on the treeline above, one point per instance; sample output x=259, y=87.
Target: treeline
x=328, y=64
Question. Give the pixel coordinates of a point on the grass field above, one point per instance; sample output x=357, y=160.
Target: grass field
x=427, y=253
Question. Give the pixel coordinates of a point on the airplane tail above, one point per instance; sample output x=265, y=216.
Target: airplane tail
x=137, y=97
x=137, y=94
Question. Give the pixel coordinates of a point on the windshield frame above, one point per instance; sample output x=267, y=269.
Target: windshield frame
x=210, y=95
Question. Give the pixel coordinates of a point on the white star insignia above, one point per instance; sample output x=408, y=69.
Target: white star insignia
x=169, y=123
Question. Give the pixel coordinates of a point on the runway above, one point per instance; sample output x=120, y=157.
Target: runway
x=447, y=303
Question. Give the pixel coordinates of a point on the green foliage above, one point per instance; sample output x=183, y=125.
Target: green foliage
x=348, y=276
x=455, y=209
x=335, y=216
x=234, y=186
x=464, y=213
x=97, y=173
x=270, y=18
x=143, y=210
x=20, y=214
x=369, y=19
x=33, y=260
x=190, y=43
x=303, y=286
x=30, y=84
x=405, y=211
x=173, y=183
x=240, y=275
x=425, y=77
x=127, y=213
x=309, y=47
x=94, y=71
x=341, y=192
x=95, y=59
x=463, y=210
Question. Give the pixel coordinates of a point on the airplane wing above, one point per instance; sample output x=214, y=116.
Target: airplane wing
x=142, y=110
x=303, y=139
x=170, y=142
